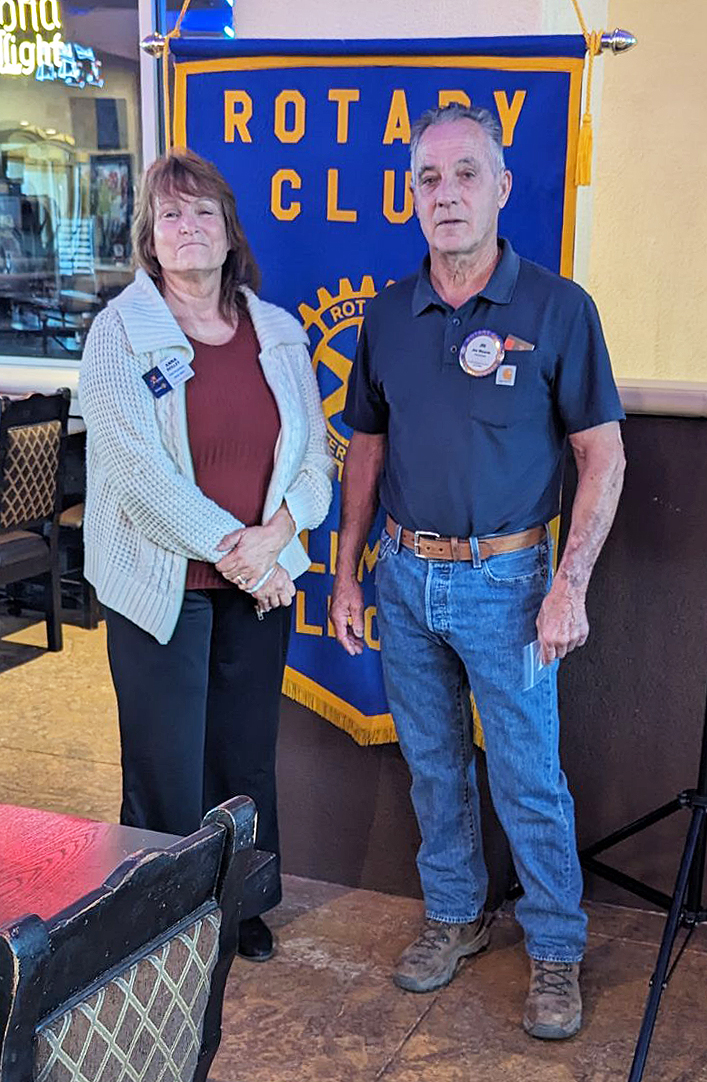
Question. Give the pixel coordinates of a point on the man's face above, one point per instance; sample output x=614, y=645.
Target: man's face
x=458, y=188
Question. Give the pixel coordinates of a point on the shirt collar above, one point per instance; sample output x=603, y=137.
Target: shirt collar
x=499, y=289
x=149, y=324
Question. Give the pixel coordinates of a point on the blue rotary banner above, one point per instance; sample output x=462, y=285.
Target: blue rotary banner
x=313, y=136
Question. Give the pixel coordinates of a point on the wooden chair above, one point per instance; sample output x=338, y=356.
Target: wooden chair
x=75, y=586
x=128, y=983
x=32, y=447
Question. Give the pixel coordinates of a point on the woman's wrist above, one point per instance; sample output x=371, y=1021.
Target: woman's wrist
x=282, y=526
x=262, y=580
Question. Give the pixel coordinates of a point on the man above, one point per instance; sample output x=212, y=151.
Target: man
x=469, y=378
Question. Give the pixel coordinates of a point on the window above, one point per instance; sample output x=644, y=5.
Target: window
x=69, y=157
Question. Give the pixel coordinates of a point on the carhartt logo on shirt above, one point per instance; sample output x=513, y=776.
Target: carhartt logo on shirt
x=506, y=375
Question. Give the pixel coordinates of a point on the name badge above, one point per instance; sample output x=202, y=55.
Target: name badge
x=481, y=353
x=176, y=371
x=166, y=376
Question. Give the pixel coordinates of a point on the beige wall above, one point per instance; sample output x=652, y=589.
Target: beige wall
x=385, y=18
x=642, y=226
x=647, y=267
x=410, y=18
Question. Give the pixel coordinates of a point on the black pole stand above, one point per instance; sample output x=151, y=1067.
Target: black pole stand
x=685, y=907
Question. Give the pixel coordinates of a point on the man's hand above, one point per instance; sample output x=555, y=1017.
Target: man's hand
x=359, y=499
x=254, y=549
x=347, y=613
x=562, y=622
x=278, y=590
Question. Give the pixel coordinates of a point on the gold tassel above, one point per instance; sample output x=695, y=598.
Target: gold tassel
x=583, y=170
x=585, y=143
x=168, y=127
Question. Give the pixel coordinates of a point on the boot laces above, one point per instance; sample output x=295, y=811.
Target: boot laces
x=433, y=936
x=550, y=980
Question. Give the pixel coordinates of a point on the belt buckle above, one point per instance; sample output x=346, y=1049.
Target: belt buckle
x=419, y=534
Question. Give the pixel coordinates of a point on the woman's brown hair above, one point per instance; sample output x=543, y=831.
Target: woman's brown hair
x=185, y=173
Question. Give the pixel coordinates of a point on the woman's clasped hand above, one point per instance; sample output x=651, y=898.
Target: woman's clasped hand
x=277, y=590
x=251, y=553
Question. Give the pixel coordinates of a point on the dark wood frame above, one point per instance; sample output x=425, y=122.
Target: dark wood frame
x=46, y=966
x=73, y=581
x=37, y=409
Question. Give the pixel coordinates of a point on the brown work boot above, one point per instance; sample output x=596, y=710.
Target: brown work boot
x=553, y=1009
x=431, y=960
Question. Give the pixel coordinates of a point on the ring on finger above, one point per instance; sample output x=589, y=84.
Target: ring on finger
x=240, y=580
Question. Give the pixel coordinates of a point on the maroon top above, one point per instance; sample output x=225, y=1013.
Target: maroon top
x=233, y=424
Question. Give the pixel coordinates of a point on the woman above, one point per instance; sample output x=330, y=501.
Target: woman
x=206, y=456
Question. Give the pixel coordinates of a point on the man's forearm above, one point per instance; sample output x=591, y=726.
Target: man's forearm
x=600, y=470
x=359, y=497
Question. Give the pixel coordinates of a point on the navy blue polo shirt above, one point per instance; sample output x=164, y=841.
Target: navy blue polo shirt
x=466, y=454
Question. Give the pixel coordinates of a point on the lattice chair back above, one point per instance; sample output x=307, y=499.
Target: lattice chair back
x=127, y=985
x=32, y=440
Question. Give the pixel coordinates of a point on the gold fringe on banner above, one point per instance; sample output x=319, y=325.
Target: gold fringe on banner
x=365, y=730
x=477, y=726
x=583, y=169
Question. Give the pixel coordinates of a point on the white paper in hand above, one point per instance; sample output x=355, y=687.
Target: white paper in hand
x=533, y=665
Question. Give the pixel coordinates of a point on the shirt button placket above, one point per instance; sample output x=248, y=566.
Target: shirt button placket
x=452, y=324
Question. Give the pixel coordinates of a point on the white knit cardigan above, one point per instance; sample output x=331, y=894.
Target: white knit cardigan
x=145, y=517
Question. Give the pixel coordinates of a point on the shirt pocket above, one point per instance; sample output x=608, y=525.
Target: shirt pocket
x=515, y=391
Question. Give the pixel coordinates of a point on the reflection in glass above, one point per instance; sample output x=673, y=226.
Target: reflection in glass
x=69, y=155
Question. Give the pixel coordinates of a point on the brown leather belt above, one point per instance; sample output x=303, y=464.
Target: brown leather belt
x=430, y=546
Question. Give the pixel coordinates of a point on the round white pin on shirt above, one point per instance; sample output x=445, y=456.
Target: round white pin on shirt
x=481, y=353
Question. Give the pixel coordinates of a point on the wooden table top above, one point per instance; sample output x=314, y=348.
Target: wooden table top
x=48, y=861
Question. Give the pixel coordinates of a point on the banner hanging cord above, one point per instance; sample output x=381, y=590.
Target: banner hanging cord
x=583, y=168
x=168, y=129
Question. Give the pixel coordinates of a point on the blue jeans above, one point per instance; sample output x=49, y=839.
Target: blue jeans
x=446, y=627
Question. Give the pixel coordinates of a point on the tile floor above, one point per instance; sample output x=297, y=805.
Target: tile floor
x=324, y=1010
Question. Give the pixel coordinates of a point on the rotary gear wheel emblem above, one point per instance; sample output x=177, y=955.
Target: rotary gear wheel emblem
x=336, y=323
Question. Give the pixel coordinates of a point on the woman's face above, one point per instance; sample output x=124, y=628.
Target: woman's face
x=189, y=234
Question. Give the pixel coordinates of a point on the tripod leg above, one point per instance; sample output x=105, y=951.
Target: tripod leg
x=693, y=897
x=666, y=947
x=697, y=796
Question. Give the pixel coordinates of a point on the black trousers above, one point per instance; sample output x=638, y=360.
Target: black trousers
x=199, y=715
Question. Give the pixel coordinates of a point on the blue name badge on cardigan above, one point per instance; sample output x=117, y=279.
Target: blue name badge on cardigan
x=157, y=382
x=168, y=375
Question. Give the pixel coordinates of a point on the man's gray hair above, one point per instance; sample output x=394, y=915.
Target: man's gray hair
x=455, y=111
